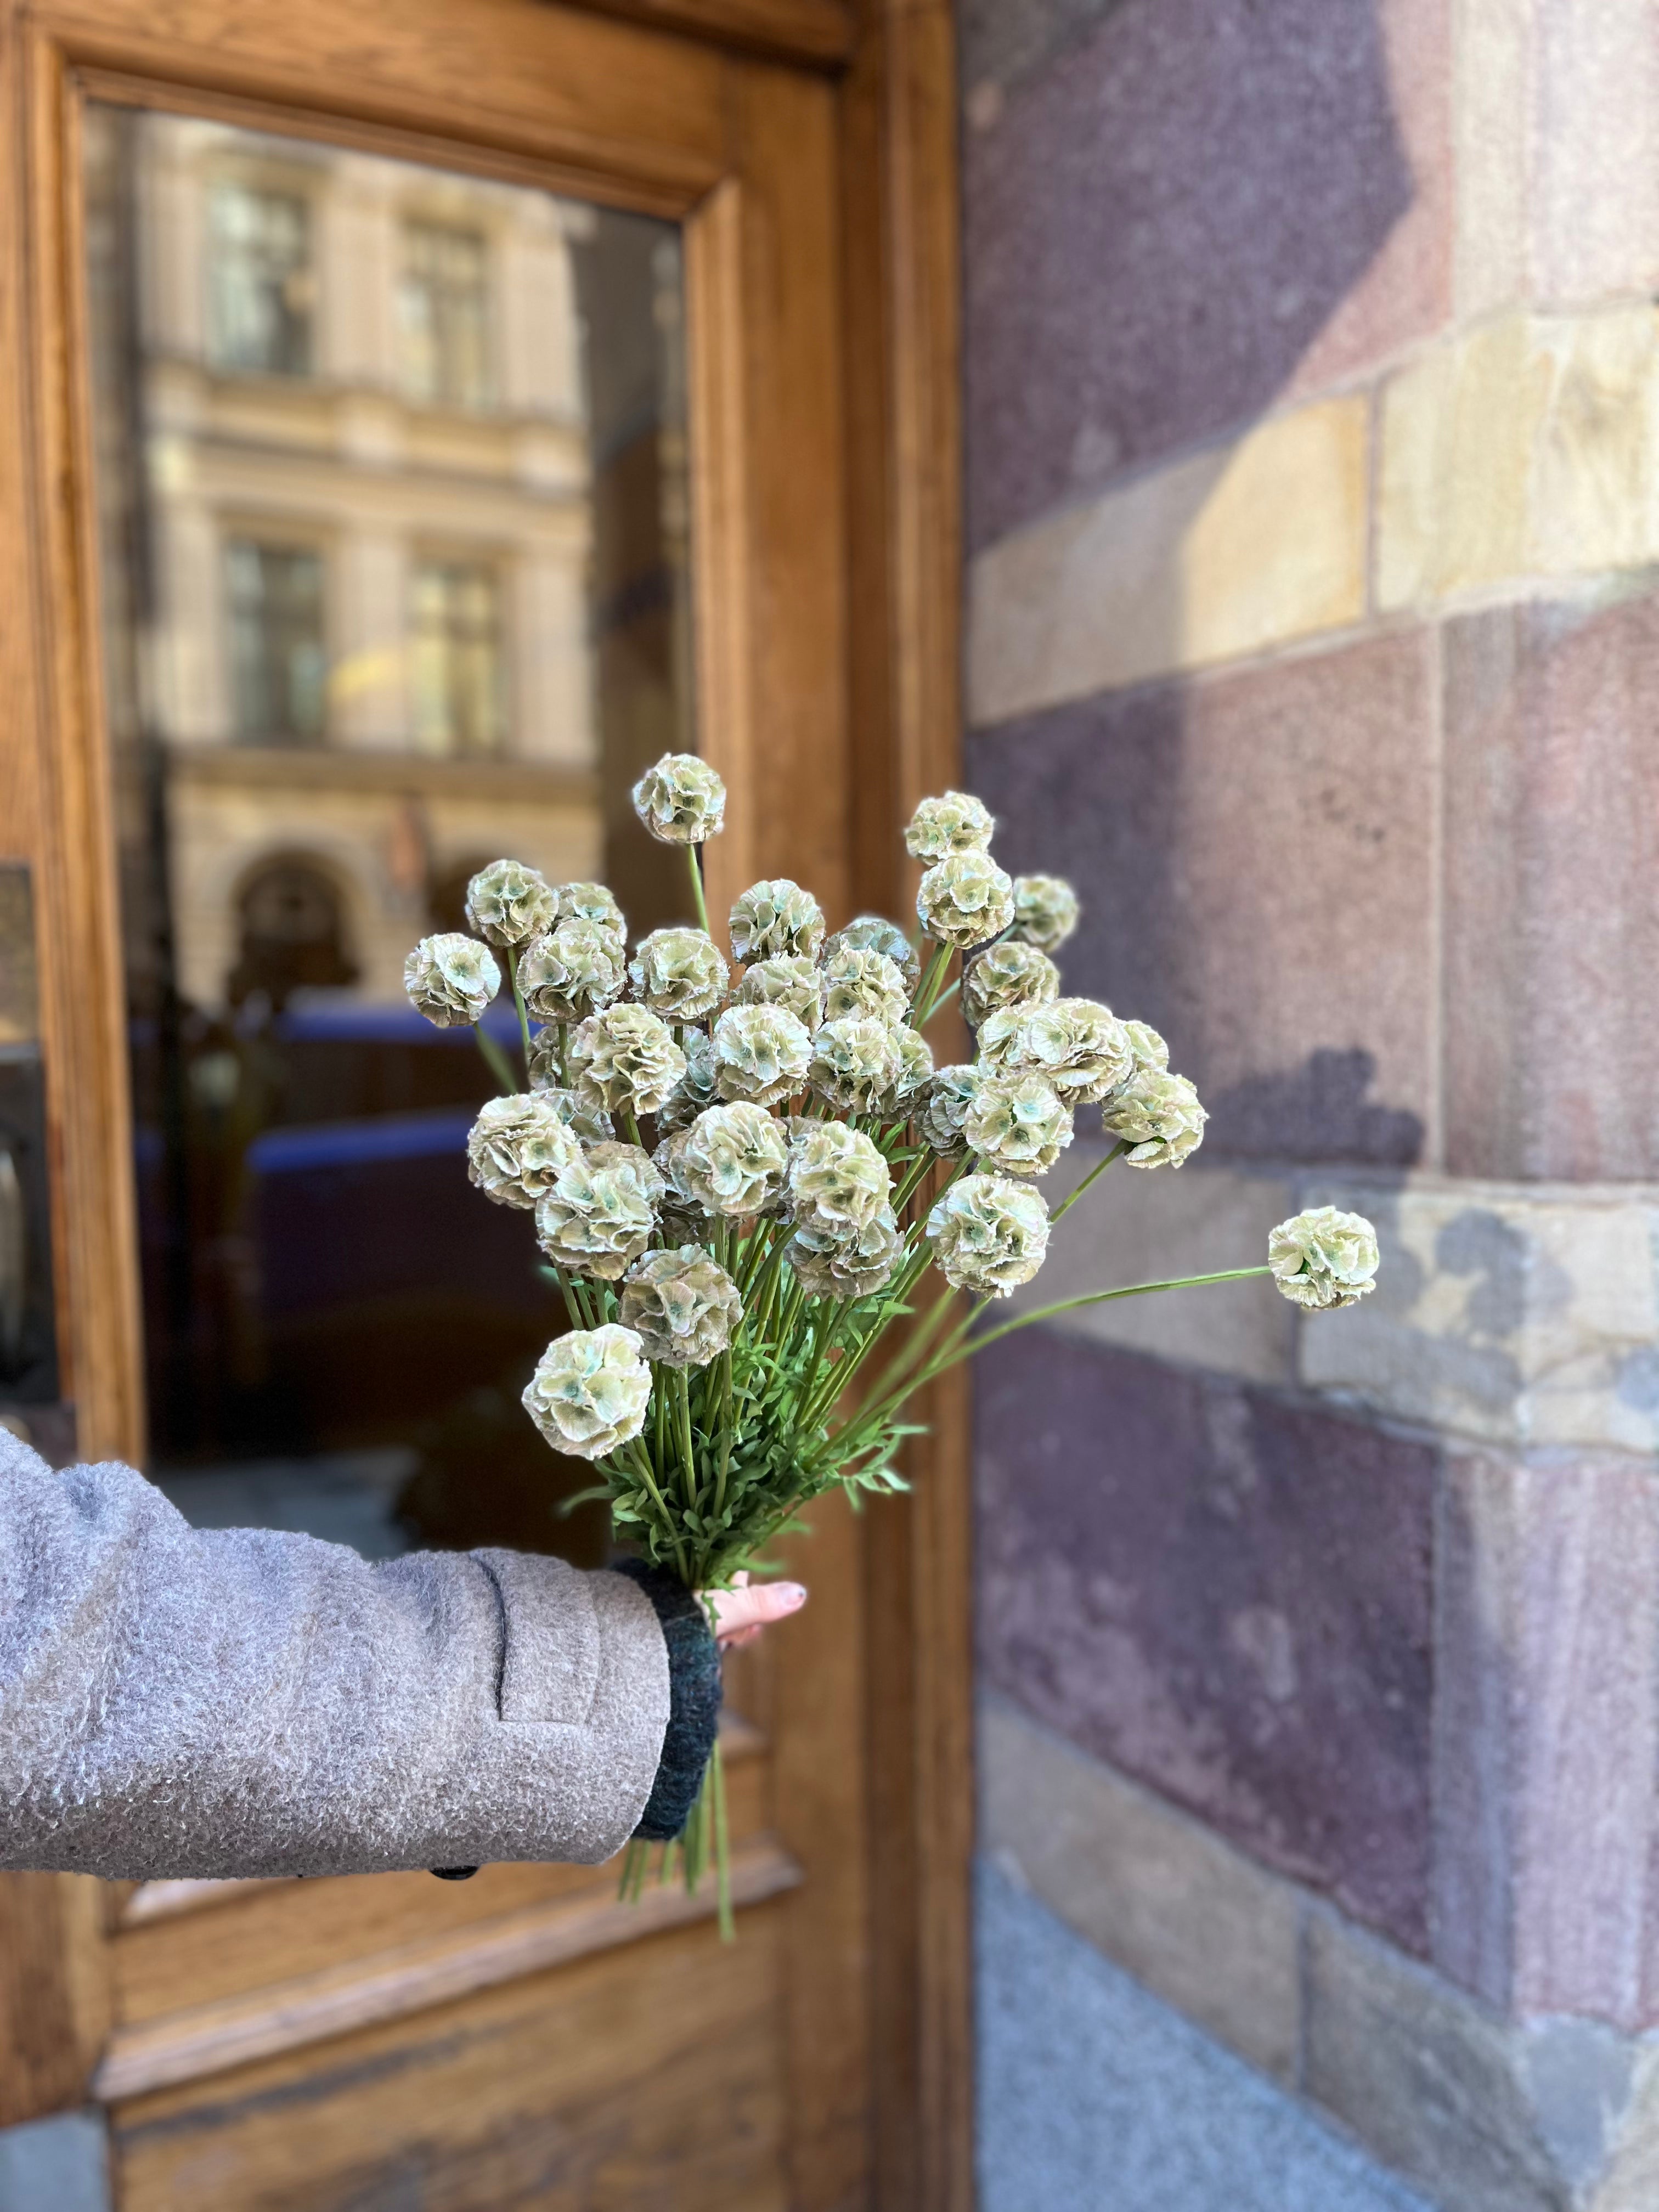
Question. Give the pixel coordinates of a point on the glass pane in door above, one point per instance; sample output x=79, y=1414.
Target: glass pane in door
x=390, y=469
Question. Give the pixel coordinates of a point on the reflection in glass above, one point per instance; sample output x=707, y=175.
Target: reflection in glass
x=391, y=472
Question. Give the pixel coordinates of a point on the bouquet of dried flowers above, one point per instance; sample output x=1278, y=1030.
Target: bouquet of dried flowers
x=742, y=1166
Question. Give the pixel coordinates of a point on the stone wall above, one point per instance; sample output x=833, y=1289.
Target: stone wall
x=1313, y=470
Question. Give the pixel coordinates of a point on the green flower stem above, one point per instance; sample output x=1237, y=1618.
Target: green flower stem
x=1089, y=1298
x=499, y=1065
x=922, y=1010
x=570, y=1305
x=1093, y=1176
x=523, y=1015
x=642, y=1461
x=687, y=1449
x=694, y=864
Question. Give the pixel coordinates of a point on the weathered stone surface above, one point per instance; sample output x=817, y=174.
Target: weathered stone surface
x=1527, y=446
x=1503, y=1312
x=1182, y=216
x=1423, y=2076
x=1247, y=545
x=1148, y=1226
x=1593, y=148
x=1254, y=855
x=1552, y=837
x=1198, y=1924
x=1225, y=1595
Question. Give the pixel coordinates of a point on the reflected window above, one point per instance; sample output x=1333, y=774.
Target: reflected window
x=444, y=311
x=455, y=659
x=292, y=935
x=259, y=280
x=278, y=653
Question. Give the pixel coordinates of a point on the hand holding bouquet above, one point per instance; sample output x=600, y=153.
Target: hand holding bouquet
x=741, y=1168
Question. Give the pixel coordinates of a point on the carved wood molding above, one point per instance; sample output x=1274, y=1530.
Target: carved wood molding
x=213, y=2039
x=813, y=31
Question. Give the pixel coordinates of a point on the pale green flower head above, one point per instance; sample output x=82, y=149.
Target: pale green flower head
x=1078, y=1044
x=790, y=981
x=761, y=1054
x=600, y=1213
x=856, y=1063
x=951, y=1092
x=696, y=1088
x=682, y=1305
x=681, y=801
x=955, y=822
x=988, y=1235
x=508, y=903
x=626, y=1060
x=965, y=899
x=856, y=1267
x=1324, y=1258
x=1147, y=1046
x=1017, y=1124
x=859, y=981
x=838, y=1180
x=451, y=979
x=1157, y=1115
x=588, y=1123
x=731, y=1160
x=681, y=973
x=589, y=1390
x=915, y=1071
x=570, y=971
x=775, y=921
x=869, y=932
x=591, y=902
x=516, y=1147
x=1012, y=973
x=1045, y=910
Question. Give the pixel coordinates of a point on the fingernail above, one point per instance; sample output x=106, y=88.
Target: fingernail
x=793, y=1592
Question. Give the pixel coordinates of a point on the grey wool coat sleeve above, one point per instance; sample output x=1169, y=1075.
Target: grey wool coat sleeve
x=177, y=1701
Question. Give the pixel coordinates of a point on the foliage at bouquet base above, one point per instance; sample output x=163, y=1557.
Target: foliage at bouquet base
x=773, y=1223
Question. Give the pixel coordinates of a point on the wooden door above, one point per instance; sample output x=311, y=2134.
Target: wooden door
x=520, y=2039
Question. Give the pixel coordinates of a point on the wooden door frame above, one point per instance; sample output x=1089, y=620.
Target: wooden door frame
x=891, y=64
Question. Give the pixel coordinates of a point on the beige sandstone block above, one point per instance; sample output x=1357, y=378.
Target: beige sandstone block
x=1527, y=447
x=1206, y=560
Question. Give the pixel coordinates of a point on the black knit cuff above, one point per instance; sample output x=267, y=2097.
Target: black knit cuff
x=693, y=1700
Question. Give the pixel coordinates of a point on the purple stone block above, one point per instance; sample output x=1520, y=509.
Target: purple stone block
x=1254, y=856
x=1225, y=1594
x=1552, y=891
x=1200, y=207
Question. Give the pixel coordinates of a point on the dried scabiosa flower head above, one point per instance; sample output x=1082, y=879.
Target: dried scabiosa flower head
x=517, y=1147
x=775, y=919
x=951, y=1092
x=590, y=1123
x=838, y=1180
x=988, y=1235
x=682, y=1305
x=696, y=1088
x=872, y=933
x=681, y=801
x=854, y=1267
x=860, y=982
x=601, y=1211
x=589, y=1390
x=915, y=1073
x=761, y=1054
x=1147, y=1046
x=680, y=974
x=1324, y=1258
x=856, y=1063
x=591, y=902
x=1045, y=910
x=955, y=822
x=451, y=979
x=1017, y=1124
x=790, y=981
x=1158, y=1115
x=508, y=903
x=626, y=1058
x=1078, y=1044
x=1012, y=973
x=964, y=900
x=569, y=971
x=731, y=1160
